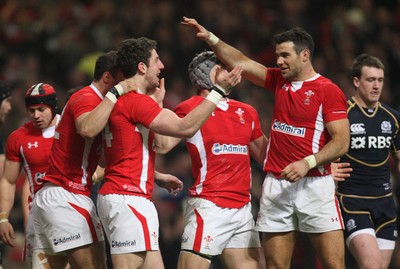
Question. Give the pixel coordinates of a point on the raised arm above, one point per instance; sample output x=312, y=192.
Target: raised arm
x=230, y=56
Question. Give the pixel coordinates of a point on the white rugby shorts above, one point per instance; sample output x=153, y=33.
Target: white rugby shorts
x=63, y=220
x=308, y=205
x=130, y=222
x=209, y=229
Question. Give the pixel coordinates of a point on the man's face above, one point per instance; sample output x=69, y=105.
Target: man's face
x=290, y=63
x=5, y=108
x=153, y=71
x=370, y=84
x=40, y=115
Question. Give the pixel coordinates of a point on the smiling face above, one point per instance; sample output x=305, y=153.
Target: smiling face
x=369, y=86
x=40, y=115
x=290, y=63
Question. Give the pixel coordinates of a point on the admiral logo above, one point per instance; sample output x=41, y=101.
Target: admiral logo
x=357, y=128
x=63, y=240
x=219, y=149
x=119, y=244
x=288, y=129
x=386, y=127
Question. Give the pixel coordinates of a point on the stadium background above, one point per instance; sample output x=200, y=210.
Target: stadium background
x=57, y=42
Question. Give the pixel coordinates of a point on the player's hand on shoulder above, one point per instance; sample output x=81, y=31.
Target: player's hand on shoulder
x=128, y=85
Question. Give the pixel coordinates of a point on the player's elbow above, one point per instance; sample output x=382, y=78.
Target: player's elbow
x=86, y=132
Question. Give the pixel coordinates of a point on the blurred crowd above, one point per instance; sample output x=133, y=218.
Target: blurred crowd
x=57, y=42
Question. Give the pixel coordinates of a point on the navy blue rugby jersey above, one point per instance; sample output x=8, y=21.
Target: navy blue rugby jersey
x=373, y=135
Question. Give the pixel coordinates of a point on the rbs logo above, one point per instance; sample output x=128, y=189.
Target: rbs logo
x=371, y=142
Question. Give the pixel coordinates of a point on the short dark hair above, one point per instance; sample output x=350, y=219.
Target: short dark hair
x=365, y=60
x=106, y=62
x=300, y=38
x=133, y=51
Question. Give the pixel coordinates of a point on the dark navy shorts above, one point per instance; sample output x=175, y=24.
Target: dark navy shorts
x=379, y=214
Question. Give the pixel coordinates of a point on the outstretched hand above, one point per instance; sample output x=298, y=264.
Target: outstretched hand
x=201, y=32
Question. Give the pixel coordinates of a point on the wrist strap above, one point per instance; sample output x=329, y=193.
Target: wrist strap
x=214, y=97
x=111, y=96
x=312, y=162
x=220, y=90
x=212, y=39
x=3, y=220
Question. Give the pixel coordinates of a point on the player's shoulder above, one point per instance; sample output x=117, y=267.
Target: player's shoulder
x=391, y=111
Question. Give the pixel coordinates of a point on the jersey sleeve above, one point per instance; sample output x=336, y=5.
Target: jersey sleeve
x=396, y=139
x=334, y=103
x=257, y=131
x=143, y=109
x=82, y=103
x=13, y=148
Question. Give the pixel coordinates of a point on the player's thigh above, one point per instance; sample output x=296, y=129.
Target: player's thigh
x=237, y=258
x=129, y=260
x=329, y=247
x=365, y=250
x=89, y=256
x=278, y=248
x=41, y=259
x=153, y=260
x=191, y=260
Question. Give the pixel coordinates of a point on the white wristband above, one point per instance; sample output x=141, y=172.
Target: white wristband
x=212, y=39
x=111, y=97
x=312, y=162
x=3, y=220
x=214, y=97
x=119, y=89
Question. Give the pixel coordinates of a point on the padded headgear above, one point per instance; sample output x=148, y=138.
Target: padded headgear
x=42, y=94
x=4, y=91
x=199, y=70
